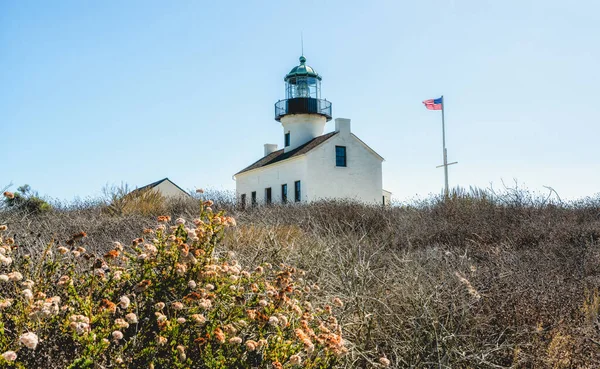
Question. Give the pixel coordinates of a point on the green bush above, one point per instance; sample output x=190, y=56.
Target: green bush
x=169, y=299
x=26, y=200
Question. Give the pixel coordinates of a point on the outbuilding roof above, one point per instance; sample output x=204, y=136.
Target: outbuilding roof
x=279, y=155
x=154, y=184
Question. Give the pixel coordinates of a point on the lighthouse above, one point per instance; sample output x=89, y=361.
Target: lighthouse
x=303, y=114
x=312, y=165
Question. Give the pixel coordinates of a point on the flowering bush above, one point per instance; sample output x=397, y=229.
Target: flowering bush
x=165, y=300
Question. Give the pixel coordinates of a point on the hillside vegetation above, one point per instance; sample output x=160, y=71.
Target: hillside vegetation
x=475, y=281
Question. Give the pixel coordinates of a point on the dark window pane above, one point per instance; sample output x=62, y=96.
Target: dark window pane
x=268, y=195
x=297, y=196
x=243, y=202
x=340, y=156
x=253, y=198
x=287, y=139
x=284, y=193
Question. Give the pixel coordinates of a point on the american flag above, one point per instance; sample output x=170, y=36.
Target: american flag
x=434, y=104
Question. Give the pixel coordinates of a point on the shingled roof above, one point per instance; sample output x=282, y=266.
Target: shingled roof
x=279, y=155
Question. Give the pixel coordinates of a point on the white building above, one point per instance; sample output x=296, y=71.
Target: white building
x=312, y=165
x=165, y=187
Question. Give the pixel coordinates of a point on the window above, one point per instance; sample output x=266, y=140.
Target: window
x=297, y=191
x=284, y=193
x=268, y=195
x=253, y=198
x=243, y=201
x=287, y=139
x=340, y=156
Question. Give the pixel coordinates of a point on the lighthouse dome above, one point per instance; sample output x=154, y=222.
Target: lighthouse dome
x=302, y=70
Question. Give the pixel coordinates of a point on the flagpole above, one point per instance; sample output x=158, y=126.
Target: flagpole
x=446, y=191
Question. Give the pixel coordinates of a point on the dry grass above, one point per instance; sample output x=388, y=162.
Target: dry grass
x=481, y=280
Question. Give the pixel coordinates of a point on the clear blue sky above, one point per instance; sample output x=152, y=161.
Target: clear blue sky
x=133, y=91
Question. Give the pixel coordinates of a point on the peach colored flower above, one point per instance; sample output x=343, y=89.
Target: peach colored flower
x=121, y=323
x=205, y=304
x=15, y=276
x=235, y=340
x=131, y=318
x=384, y=361
x=219, y=335
x=198, y=318
x=124, y=302
x=5, y=260
x=181, y=351
x=337, y=302
x=177, y=305
x=27, y=294
x=5, y=303
x=295, y=360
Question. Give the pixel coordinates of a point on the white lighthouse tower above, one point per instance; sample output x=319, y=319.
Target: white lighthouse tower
x=303, y=113
x=312, y=165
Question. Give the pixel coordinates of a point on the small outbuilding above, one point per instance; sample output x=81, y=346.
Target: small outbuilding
x=165, y=187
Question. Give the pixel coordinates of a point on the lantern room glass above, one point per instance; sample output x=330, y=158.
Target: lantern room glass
x=303, y=87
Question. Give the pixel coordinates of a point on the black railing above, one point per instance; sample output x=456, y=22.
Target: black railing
x=302, y=105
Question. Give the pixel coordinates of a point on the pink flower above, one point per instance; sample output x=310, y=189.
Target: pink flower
x=117, y=335
x=9, y=356
x=30, y=340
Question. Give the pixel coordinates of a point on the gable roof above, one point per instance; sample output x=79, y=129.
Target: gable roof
x=154, y=184
x=368, y=147
x=280, y=155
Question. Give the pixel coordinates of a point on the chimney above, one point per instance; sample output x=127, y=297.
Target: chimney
x=342, y=125
x=269, y=148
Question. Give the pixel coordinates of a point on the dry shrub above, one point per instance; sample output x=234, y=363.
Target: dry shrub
x=144, y=202
x=167, y=301
x=479, y=280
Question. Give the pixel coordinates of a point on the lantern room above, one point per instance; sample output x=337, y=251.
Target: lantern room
x=302, y=93
x=302, y=81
